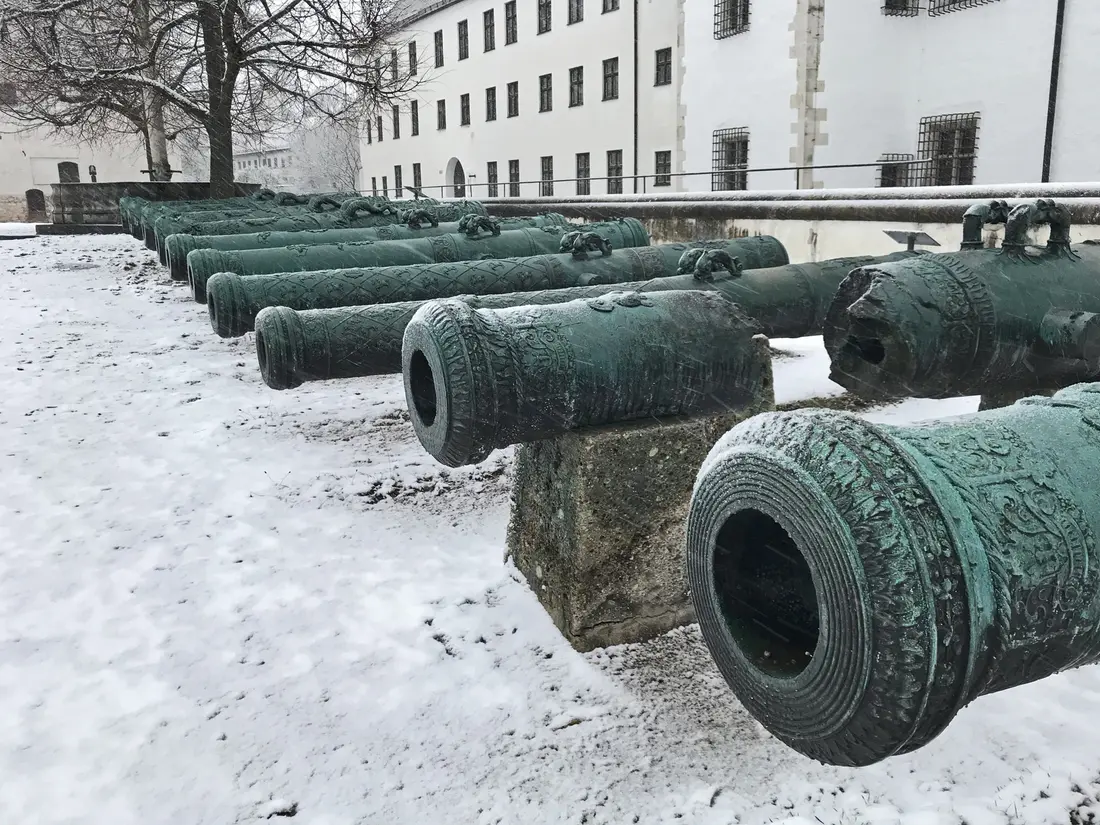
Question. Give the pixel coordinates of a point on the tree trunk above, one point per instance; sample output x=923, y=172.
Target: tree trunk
x=219, y=132
x=160, y=168
x=221, y=77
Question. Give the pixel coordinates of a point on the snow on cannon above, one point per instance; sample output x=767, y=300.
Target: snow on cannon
x=859, y=584
x=1014, y=320
x=295, y=346
x=490, y=243
x=418, y=223
x=233, y=300
x=135, y=211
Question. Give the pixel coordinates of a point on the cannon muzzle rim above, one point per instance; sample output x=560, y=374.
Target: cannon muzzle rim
x=227, y=305
x=280, y=347
x=204, y=264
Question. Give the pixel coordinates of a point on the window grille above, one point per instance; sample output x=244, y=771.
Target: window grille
x=546, y=12
x=491, y=177
x=464, y=109
x=576, y=11
x=374, y=186
x=615, y=172
x=463, y=39
x=416, y=176
x=949, y=144
x=938, y=7
x=439, y=48
x=584, y=173
x=662, y=166
x=513, y=99
x=611, y=79
x=413, y=65
x=546, y=187
x=546, y=93
x=490, y=26
x=385, y=185
x=441, y=114
x=901, y=8
x=393, y=65
x=610, y=5
x=664, y=67
x=378, y=126
x=730, y=17
x=576, y=86
x=397, y=187
x=511, y=29
x=894, y=171
x=396, y=122
x=729, y=159
x=414, y=112
x=513, y=178
x=491, y=103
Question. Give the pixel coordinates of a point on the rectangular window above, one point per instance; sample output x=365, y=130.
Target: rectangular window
x=545, y=16
x=576, y=86
x=610, y=5
x=513, y=178
x=393, y=64
x=396, y=122
x=584, y=173
x=463, y=39
x=664, y=67
x=439, y=48
x=378, y=126
x=414, y=111
x=511, y=29
x=949, y=145
x=894, y=171
x=416, y=176
x=464, y=110
x=729, y=160
x=441, y=114
x=546, y=188
x=370, y=134
x=615, y=172
x=385, y=186
x=576, y=11
x=489, y=24
x=730, y=17
x=662, y=166
x=611, y=79
x=378, y=70
x=397, y=187
x=491, y=103
x=513, y=99
x=413, y=65
x=937, y=7
x=374, y=186
x=491, y=177
x=900, y=8
x=546, y=93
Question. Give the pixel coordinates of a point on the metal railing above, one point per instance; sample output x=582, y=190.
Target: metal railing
x=643, y=184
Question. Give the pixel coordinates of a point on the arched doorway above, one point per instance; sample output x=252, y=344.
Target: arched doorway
x=68, y=172
x=456, y=178
x=36, y=205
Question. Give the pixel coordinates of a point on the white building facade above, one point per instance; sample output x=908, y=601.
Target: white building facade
x=950, y=91
x=529, y=97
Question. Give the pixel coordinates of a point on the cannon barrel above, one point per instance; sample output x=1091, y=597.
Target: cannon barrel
x=1019, y=319
x=133, y=209
x=234, y=300
x=477, y=380
x=857, y=585
x=517, y=243
x=350, y=342
x=178, y=246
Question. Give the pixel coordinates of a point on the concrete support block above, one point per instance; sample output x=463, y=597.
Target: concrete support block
x=598, y=519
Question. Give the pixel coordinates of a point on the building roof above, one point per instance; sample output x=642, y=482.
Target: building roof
x=413, y=10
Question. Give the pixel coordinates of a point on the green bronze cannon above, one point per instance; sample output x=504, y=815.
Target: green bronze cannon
x=858, y=585
x=477, y=380
x=132, y=208
x=234, y=300
x=419, y=223
x=517, y=243
x=348, y=342
x=1016, y=319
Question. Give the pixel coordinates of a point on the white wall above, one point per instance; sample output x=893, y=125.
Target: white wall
x=879, y=75
x=595, y=127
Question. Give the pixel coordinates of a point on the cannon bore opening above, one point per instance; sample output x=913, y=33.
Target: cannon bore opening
x=422, y=384
x=766, y=593
x=870, y=350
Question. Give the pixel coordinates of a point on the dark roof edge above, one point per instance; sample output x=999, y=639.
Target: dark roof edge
x=428, y=11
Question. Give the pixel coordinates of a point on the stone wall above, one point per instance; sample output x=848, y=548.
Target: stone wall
x=12, y=208
x=97, y=203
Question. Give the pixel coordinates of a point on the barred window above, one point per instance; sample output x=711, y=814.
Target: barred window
x=374, y=186
x=414, y=112
x=949, y=144
x=464, y=109
x=378, y=126
x=662, y=166
x=491, y=103
x=463, y=39
x=491, y=177
x=397, y=187
x=511, y=30
x=938, y=7
x=385, y=185
x=576, y=11
x=663, y=67
x=393, y=64
x=901, y=8
x=413, y=64
x=546, y=13
x=610, y=5
x=396, y=122
x=513, y=178
x=576, y=86
x=584, y=173
x=894, y=170
x=441, y=114
x=546, y=93
x=439, y=48
x=730, y=17
x=489, y=23
x=417, y=183
x=611, y=79
x=513, y=99
x=546, y=188
x=615, y=172
x=729, y=159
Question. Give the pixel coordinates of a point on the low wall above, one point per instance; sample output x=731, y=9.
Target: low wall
x=97, y=203
x=13, y=208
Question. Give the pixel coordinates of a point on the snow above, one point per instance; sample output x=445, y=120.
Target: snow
x=8, y=229
x=220, y=603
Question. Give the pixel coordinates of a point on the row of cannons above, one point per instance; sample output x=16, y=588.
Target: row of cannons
x=856, y=584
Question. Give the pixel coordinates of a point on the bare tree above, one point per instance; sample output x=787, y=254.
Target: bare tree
x=327, y=157
x=220, y=65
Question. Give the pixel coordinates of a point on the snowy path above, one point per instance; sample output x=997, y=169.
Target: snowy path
x=218, y=602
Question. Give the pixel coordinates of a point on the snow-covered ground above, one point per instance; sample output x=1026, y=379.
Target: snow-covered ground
x=8, y=229
x=220, y=603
